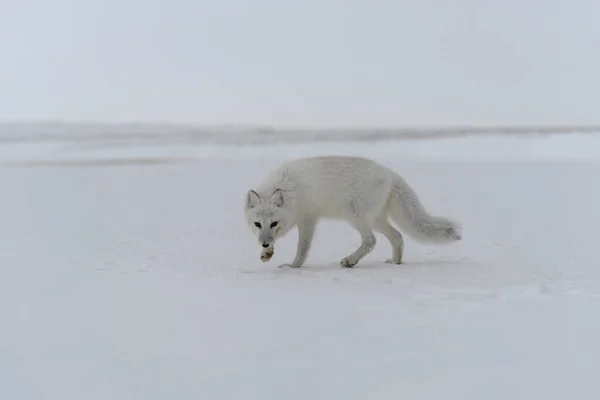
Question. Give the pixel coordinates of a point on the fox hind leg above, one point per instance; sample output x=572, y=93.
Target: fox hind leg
x=395, y=238
x=368, y=242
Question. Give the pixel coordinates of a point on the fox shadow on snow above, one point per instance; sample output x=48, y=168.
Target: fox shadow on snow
x=380, y=265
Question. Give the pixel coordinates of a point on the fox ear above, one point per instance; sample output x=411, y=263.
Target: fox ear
x=252, y=199
x=277, y=198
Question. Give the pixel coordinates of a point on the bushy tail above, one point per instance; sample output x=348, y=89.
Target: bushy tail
x=406, y=210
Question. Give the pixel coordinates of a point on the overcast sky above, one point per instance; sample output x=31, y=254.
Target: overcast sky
x=306, y=62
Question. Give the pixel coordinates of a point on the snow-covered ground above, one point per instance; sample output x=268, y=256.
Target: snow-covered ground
x=139, y=280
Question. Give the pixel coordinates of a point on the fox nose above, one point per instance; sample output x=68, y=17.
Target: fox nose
x=265, y=245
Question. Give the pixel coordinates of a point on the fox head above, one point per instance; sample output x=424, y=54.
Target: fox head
x=269, y=218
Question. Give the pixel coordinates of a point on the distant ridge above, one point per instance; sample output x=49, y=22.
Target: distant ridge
x=239, y=134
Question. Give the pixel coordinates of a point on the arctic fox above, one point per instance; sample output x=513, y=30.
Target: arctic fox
x=361, y=191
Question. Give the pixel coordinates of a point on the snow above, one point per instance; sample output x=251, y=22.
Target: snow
x=141, y=281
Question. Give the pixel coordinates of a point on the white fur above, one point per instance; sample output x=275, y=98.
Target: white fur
x=355, y=189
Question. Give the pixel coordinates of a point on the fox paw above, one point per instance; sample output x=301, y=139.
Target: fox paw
x=348, y=262
x=390, y=261
x=288, y=265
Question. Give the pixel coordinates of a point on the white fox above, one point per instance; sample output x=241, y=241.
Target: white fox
x=355, y=189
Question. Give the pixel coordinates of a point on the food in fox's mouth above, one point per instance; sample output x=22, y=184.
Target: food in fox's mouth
x=266, y=255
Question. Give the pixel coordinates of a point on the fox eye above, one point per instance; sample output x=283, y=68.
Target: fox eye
x=274, y=224
x=257, y=224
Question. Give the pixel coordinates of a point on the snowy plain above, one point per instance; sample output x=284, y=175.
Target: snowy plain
x=127, y=272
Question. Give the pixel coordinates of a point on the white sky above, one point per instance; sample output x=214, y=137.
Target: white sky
x=306, y=62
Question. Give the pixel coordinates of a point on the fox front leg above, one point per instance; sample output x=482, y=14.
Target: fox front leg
x=306, y=232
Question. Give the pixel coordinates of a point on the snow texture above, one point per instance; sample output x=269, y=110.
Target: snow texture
x=139, y=280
